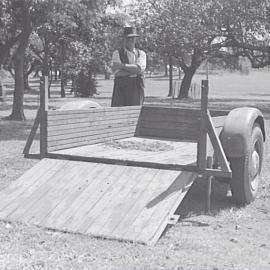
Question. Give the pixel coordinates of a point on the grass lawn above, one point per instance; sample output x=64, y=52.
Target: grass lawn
x=228, y=238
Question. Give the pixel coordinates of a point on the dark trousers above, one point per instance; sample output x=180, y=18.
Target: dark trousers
x=127, y=91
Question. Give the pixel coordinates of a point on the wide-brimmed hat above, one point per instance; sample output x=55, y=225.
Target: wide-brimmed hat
x=130, y=31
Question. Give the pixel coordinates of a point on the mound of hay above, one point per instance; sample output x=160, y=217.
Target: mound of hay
x=141, y=145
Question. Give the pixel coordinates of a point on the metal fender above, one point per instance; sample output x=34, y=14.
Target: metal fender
x=236, y=134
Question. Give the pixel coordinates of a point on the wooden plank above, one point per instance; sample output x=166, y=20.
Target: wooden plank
x=168, y=134
x=67, y=208
x=70, y=183
x=91, y=131
x=159, y=117
x=25, y=181
x=164, y=110
x=31, y=196
x=93, y=115
x=113, y=202
x=98, y=139
x=95, y=110
x=32, y=134
x=100, y=136
x=216, y=113
x=170, y=111
x=191, y=125
x=134, y=208
x=105, y=184
x=94, y=138
x=161, y=208
x=27, y=184
x=80, y=125
x=120, y=186
x=72, y=121
x=177, y=110
x=157, y=187
x=120, y=210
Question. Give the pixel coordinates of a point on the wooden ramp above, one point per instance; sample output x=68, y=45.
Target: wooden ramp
x=111, y=201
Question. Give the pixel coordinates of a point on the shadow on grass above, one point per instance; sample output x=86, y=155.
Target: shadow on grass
x=8, y=107
x=15, y=130
x=195, y=201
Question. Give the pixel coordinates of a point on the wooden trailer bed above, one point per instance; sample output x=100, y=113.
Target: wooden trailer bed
x=117, y=173
x=136, y=149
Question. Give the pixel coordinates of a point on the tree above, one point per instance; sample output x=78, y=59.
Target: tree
x=19, y=18
x=191, y=31
x=15, y=28
x=20, y=9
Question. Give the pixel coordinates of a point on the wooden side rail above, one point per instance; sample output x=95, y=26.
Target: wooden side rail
x=169, y=123
x=66, y=129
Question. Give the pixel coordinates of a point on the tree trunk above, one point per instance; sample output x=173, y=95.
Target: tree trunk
x=27, y=87
x=1, y=91
x=45, y=64
x=186, y=82
x=1, y=85
x=166, y=69
x=55, y=73
x=179, y=73
x=197, y=59
x=63, y=93
x=36, y=75
x=17, y=108
x=170, y=77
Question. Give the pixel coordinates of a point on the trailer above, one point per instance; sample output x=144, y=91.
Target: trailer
x=122, y=172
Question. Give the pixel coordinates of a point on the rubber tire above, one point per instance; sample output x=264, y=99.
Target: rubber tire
x=242, y=191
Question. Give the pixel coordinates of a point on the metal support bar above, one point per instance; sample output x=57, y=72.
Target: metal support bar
x=201, y=154
x=143, y=164
x=209, y=186
x=32, y=134
x=217, y=144
x=43, y=115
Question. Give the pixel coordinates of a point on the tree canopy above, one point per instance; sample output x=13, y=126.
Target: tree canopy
x=80, y=34
x=192, y=30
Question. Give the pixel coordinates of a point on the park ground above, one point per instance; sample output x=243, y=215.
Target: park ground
x=229, y=237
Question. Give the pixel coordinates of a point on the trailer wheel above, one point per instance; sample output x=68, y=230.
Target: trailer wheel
x=246, y=170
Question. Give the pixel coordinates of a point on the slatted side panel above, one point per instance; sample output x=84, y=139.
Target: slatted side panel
x=172, y=122
x=75, y=128
x=169, y=123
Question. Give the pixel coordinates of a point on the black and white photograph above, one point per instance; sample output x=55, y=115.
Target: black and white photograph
x=134, y=135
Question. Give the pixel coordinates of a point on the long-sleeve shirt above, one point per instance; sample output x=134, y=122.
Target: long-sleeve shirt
x=137, y=57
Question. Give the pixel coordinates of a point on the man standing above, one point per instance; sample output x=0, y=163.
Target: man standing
x=128, y=65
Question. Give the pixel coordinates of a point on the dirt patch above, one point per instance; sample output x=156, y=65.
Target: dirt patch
x=141, y=145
